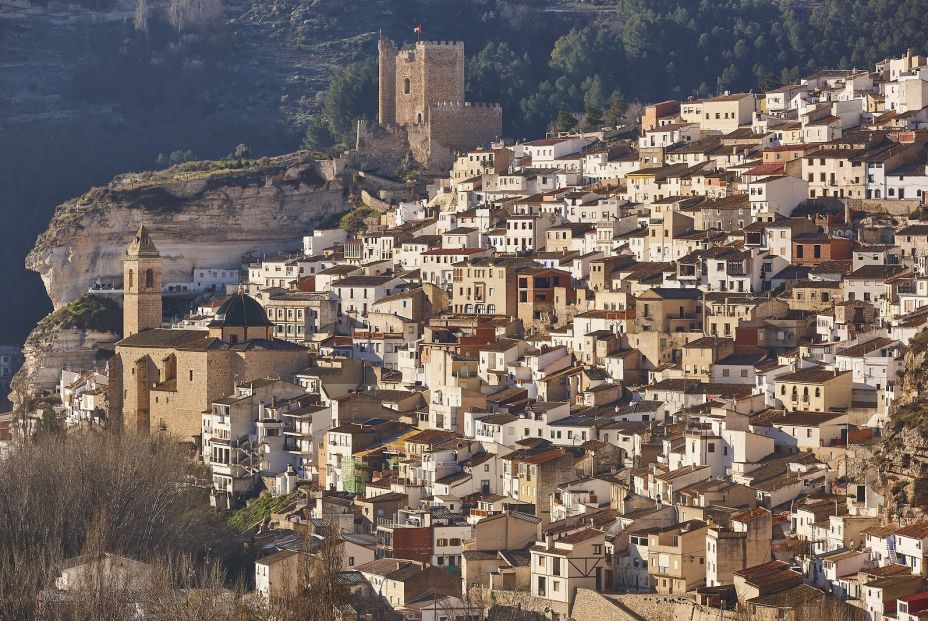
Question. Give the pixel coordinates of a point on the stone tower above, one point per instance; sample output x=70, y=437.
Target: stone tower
x=387, y=81
x=412, y=81
x=142, y=285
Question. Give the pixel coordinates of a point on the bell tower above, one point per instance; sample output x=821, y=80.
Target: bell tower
x=142, y=285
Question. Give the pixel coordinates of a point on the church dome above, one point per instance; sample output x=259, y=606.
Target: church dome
x=240, y=311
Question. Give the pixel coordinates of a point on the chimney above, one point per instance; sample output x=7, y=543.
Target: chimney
x=908, y=59
x=549, y=542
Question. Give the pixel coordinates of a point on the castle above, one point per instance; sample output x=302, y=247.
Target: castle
x=422, y=92
x=162, y=380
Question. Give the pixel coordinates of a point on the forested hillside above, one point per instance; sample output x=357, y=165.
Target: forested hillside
x=639, y=50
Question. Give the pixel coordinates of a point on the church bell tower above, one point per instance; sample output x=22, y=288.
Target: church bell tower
x=142, y=285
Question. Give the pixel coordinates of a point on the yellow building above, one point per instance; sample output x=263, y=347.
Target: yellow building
x=676, y=557
x=815, y=390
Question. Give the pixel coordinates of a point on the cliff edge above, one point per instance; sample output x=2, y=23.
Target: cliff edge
x=79, y=336
x=203, y=214
x=903, y=457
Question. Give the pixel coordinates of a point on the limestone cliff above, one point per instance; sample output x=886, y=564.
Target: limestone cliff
x=903, y=457
x=203, y=214
x=79, y=336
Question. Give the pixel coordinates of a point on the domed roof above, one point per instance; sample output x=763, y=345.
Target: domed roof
x=240, y=311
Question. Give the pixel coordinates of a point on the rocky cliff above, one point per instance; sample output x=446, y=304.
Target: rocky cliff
x=903, y=456
x=203, y=214
x=79, y=336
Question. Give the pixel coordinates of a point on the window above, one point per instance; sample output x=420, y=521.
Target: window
x=406, y=86
x=191, y=375
x=149, y=279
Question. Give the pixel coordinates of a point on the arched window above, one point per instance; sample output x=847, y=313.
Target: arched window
x=406, y=86
x=131, y=282
x=149, y=279
x=419, y=118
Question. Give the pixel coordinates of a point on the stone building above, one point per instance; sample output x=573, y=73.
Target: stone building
x=142, y=275
x=422, y=92
x=161, y=380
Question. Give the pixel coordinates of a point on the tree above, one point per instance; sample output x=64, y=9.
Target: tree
x=318, y=135
x=241, y=152
x=352, y=95
x=593, y=118
x=56, y=488
x=140, y=19
x=318, y=589
x=615, y=113
x=565, y=122
x=195, y=15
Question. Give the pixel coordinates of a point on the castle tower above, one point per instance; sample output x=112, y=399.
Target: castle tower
x=387, y=80
x=142, y=284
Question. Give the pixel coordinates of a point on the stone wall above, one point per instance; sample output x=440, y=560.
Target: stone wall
x=462, y=126
x=592, y=605
x=666, y=608
x=200, y=377
x=901, y=207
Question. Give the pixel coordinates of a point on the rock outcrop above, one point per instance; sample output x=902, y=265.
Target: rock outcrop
x=903, y=456
x=78, y=337
x=201, y=214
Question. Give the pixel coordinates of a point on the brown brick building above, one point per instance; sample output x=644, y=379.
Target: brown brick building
x=162, y=380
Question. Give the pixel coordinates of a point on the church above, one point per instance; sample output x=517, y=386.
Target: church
x=162, y=380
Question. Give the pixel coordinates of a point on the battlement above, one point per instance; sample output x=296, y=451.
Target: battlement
x=440, y=44
x=464, y=104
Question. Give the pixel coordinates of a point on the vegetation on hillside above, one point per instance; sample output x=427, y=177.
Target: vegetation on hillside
x=88, y=312
x=260, y=508
x=644, y=50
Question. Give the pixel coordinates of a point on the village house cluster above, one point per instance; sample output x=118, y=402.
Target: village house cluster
x=579, y=367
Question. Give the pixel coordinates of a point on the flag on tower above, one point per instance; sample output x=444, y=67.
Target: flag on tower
x=418, y=29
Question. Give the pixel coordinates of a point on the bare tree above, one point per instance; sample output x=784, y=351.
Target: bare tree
x=318, y=589
x=62, y=496
x=140, y=20
x=188, y=15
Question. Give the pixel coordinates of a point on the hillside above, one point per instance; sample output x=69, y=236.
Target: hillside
x=87, y=93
